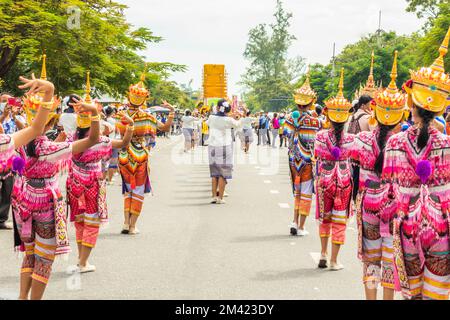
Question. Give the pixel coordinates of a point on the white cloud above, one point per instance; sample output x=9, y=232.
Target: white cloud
x=215, y=31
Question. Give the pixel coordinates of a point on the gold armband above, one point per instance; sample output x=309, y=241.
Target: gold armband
x=95, y=118
x=47, y=105
x=130, y=127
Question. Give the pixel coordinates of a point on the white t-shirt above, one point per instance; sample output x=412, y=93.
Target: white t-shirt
x=220, y=130
x=114, y=134
x=246, y=122
x=69, y=122
x=188, y=122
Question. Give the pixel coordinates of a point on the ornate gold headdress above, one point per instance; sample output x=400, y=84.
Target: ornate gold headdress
x=338, y=108
x=389, y=104
x=31, y=103
x=305, y=95
x=429, y=87
x=84, y=119
x=370, y=88
x=137, y=93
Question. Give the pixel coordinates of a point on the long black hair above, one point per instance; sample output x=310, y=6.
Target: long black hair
x=81, y=133
x=427, y=117
x=338, y=128
x=381, y=141
x=364, y=99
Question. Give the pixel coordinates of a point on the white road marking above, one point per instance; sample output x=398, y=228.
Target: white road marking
x=274, y=191
x=267, y=181
x=292, y=243
x=284, y=205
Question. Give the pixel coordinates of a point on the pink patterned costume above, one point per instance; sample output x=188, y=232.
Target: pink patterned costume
x=6, y=152
x=86, y=191
x=39, y=208
x=333, y=184
x=374, y=214
x=421, y=225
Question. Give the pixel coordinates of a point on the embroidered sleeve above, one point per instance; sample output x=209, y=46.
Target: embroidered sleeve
x=289, y=127
x=6, y=150
x=390, y=163
x=320, y=146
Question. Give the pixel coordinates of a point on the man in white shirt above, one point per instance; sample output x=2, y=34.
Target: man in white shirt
x=68, y=119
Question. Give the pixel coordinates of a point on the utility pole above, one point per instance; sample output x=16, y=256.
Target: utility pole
x=379, y=31
x=333, y=68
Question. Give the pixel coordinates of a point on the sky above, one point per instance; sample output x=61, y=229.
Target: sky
x=199, y=32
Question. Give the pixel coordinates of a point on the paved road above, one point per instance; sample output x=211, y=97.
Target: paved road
x=190, y=249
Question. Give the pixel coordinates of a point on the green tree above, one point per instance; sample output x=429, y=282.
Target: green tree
x=270, y=74
x=170, y=91
x=425, y=8
x=104, y=43
x=430, y=43
x=356, y=58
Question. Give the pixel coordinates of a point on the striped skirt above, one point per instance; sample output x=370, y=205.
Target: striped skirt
x=221, y=161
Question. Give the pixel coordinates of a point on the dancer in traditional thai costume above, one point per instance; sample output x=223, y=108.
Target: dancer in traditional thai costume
x=86, y=186
x=133, y=160
x=38, y=206
x=301, y=128
x=334, y=178
x=374, y=208
x=416, y=167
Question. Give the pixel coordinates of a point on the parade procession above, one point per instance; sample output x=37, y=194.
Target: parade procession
x=278, y=179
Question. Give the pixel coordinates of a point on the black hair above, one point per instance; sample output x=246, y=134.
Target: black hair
x=72, y=99
x=109, y=110
x=275, y=115
x=338, y=129
x=364, y=99
x=319, y=109
x=248, y=113
x=381, y=141
x=221, y=102
x=427, y=117
x=81, y=133
x=31, y=149
x=187, y=113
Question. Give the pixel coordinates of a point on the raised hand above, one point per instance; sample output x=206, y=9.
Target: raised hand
x=127, y=120
x=36, y=85
x=83, y=107
x=166, y=105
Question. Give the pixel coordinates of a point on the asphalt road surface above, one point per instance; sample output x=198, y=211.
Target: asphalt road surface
x=191, y=249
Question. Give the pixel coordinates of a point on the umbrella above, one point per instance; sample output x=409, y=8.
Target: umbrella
x=157, y=109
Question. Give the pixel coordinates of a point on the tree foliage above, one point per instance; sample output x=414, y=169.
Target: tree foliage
x=104, y=43
x=356, y=58
x=270, y=74
x=425, y=8
x=431, y=41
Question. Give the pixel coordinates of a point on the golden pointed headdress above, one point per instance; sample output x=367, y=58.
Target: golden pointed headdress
x=84, y=119
x=338, y=108
x=31, y=103
x=430, y=86
x=137, y=93
x=390, y=102
x=305, y=95
x=370, y=88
